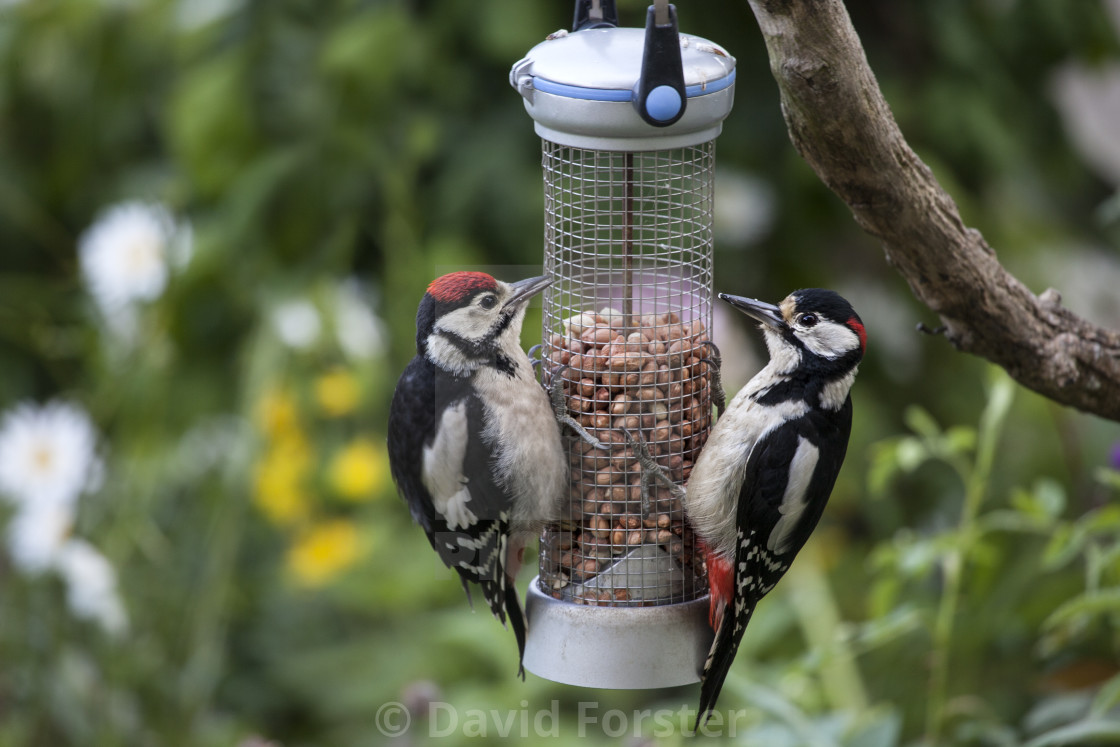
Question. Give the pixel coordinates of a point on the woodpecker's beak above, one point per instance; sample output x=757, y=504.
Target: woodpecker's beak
x=525, y=289
x=767, y=313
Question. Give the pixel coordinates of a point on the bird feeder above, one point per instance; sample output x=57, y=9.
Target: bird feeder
x=628, y=120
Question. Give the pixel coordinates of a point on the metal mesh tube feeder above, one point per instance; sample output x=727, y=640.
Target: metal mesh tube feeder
x=628, y=119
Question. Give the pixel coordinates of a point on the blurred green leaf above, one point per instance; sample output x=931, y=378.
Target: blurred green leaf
x=1109, y=477
x=210, y=123
x=887, y=628
x=910, y=454
x=881, y=727
x=1043, y=503
x=960, y=439
x=1107, y=698
x=1085, y=607
x=1055, y=712
x=1094, y=731
x=922, y=423
x=1000, y=395
x=1065, y=543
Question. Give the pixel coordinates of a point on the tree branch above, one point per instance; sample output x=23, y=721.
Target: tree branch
x=842, y=126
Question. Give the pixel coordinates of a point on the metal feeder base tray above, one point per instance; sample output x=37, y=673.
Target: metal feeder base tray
x=624, y=648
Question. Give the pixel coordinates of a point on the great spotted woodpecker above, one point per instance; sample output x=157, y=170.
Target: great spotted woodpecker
x=760, y=484
x=474, y=446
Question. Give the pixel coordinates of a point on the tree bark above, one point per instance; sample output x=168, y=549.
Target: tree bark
x=840, y=123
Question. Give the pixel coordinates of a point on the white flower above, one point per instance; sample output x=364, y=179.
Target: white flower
x=36, y=534
x=127, y=254
x=91, y=586
x=296, y=323
x=195, y=14
x=47, y=454
x=1088, y=98
x=745, y=208
x=361, y=334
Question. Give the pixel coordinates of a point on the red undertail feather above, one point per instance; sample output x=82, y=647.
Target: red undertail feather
x=721, y=584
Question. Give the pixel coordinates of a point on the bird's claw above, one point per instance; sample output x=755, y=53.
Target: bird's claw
x=534, y=356
x=651, y=471
x=560, y=410
x=715, y=365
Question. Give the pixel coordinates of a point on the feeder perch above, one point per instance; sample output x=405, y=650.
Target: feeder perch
x=628, y=119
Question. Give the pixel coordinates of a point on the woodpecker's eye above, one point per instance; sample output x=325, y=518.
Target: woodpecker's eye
x=488, y=301
x=808, y=320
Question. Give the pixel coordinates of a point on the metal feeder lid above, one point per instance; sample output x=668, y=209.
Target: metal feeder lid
x=579, y=89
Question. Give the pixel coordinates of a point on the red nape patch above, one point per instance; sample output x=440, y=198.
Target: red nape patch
x=721, y=580
x=857, y=325
x=456, y=286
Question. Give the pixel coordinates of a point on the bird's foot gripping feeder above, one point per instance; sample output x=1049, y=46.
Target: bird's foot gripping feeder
x=628, y=120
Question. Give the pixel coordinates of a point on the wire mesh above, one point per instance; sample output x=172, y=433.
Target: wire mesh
x=628, y=241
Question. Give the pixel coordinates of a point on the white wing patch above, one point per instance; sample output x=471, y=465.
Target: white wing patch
x=795, y=499
x=442, y=470
x=456, y=511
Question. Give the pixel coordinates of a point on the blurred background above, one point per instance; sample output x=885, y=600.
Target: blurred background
x=216, y=220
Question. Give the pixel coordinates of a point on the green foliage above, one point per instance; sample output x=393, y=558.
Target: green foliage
x=330, y=159
x=997, y=596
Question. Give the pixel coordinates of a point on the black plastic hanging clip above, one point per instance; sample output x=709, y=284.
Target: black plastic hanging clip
x=595, y=14
x=660, y=97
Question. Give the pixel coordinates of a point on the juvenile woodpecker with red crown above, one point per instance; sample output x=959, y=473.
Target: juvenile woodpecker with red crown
x=762, y=480
x=474, y=442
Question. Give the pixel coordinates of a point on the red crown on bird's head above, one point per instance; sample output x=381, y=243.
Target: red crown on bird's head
x=456, y=286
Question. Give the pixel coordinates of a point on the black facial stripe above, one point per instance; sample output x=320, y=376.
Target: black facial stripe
x=484, y=347
x=469, y=348
x=789, y=336
x=478, y=348
x=503, y=324
x=503, y=364
x=809, y=379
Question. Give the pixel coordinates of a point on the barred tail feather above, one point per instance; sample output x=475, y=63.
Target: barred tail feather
x=492, y=576
x=501, y=597
x=467, y=590
x=517, y=622
x=722, y=653
x=494, y=592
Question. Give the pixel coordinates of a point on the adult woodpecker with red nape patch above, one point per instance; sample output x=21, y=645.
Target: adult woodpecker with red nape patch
x=474, y=442
x=761, y=482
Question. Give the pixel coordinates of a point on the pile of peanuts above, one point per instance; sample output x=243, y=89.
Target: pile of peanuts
x=650, y=378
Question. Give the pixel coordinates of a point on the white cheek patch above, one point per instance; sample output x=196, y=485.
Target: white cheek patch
x=830, y=340
x=795, y=500
x=466, y=322
x=442, y=468
x=448, y=356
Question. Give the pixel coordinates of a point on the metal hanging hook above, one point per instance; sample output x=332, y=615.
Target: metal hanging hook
x=595, y=14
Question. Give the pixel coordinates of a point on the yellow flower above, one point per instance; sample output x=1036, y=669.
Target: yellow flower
x=337, y=392
x=277, y=491
x=357, y=470
x=324, y=551
x=279, y=478
x=277, y=413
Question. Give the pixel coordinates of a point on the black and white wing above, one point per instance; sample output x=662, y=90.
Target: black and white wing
x=789, y=476
x=447, y=479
